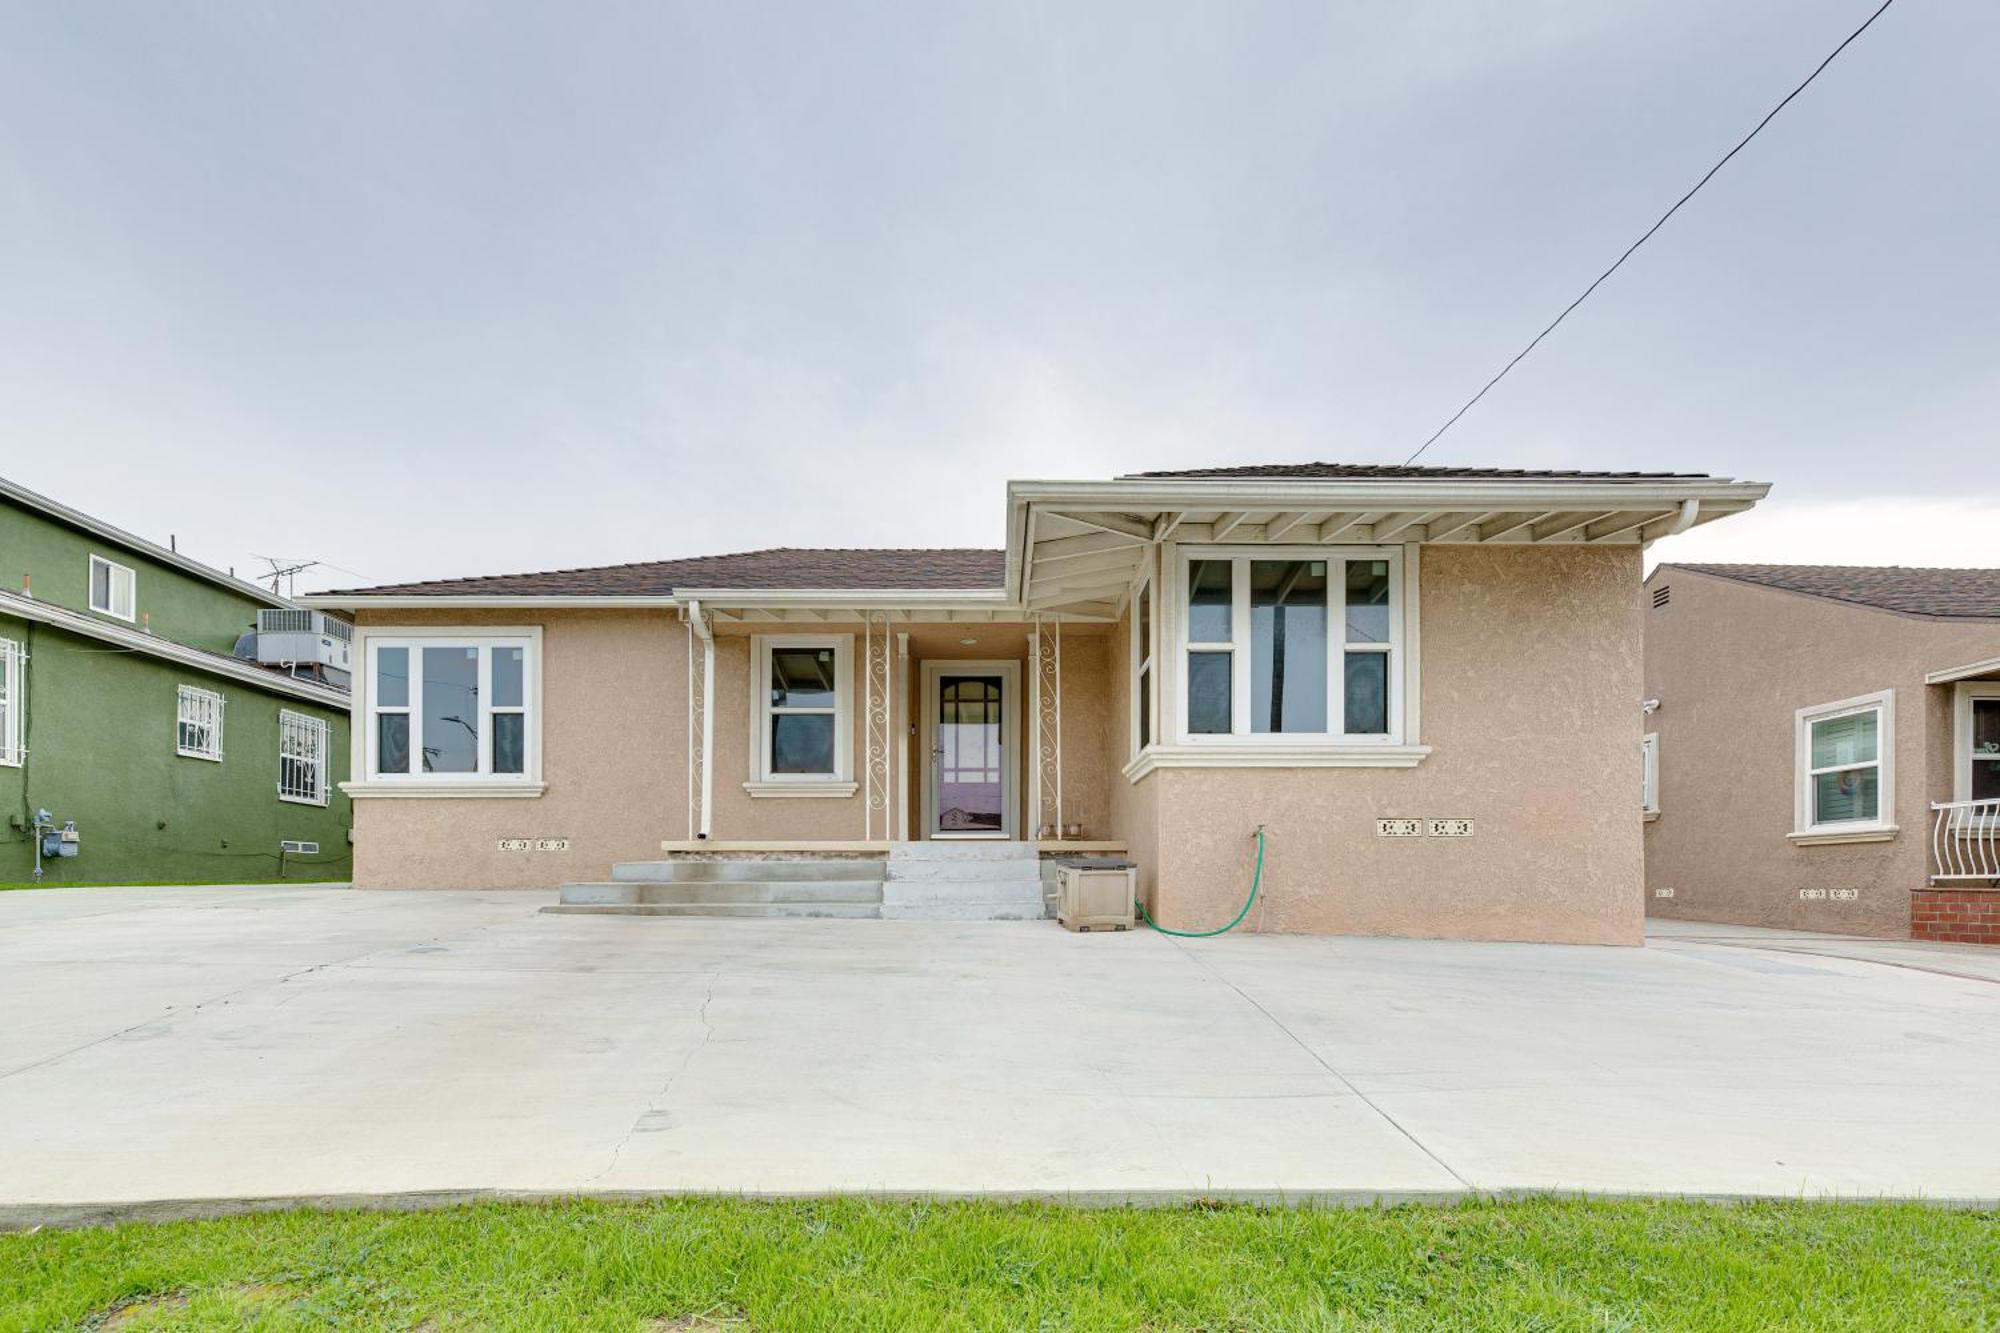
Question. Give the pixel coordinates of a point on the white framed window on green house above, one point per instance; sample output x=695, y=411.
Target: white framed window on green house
x=13, y=702
x=1844, y=785
x=802, y=706
x=1291, y=646
x=450, y=713
x=113, y=589
x=302, y=750
x=1976, y=743
x=198, y=723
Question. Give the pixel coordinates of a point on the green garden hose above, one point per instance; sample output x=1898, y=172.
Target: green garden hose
x=1256, y=878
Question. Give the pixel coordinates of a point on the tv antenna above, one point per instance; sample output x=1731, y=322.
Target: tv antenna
x=284, y=573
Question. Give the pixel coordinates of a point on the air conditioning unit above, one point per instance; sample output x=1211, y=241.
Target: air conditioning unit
x=292, y=636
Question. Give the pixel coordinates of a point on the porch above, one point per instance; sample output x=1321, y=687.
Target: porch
x=1961, y=902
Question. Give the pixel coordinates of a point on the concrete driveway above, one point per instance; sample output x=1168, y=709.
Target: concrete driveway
x=185, y=1044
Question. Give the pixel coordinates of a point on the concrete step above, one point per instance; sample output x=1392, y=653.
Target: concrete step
x=963, y=872
x=906, y=853
x=867, y=869
x=854, y=910
x=782, y=891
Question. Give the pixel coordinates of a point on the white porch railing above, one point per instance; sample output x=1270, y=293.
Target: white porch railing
x=1965, y=840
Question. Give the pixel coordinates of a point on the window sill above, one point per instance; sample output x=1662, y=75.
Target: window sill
x=1837, y=837
x=302, y=800
x=1275, y=756
x=190, y=754
x=359, y=790
x=1650, y=815
x=829, y=788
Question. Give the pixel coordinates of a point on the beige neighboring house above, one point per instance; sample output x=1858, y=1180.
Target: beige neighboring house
x=1420, y=681
x=1823, y=748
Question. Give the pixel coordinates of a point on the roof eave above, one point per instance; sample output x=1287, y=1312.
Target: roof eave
x=97, y=527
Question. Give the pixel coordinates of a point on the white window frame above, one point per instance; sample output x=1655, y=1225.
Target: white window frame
x=1963, y=695
x=1649, y=775
x=13, y=702
x=304, y=739
x=112, y=586
x=370, y=641
x=1143, y=657
x=1883, y=704
x=1238, y=646
x=763, y=780
x=195, y=706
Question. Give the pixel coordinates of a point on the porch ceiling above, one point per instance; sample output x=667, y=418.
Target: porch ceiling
x=1082, y=543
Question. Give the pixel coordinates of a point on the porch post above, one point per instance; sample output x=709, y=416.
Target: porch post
x=899, y=732
x=701, y=722
x=877, y=717
x=1045, y=649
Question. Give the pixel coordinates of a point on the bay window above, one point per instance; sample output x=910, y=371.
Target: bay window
x=1976, y=742
x=1291, y=645
x=451, y=708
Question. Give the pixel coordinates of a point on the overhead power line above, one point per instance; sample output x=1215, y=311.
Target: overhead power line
x=1706, y=177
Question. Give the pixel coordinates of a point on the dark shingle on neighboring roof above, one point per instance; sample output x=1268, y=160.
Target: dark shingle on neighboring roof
x=1402, y=472
x=780, y=567
x=1952, y=594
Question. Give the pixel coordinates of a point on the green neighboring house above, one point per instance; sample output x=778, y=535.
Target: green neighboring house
x=126, y=708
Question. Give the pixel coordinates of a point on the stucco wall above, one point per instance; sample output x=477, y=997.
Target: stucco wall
x=613, y=757
x=1731, y=664
x=1530, y=678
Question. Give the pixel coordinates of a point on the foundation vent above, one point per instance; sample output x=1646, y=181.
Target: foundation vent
x=1661, y=596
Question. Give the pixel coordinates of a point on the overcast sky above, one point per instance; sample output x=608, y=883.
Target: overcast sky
x=435, y=289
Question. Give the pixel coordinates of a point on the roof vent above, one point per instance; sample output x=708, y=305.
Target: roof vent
x=1661, y=596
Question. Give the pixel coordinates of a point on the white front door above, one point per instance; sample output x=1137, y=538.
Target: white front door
x=970, y=736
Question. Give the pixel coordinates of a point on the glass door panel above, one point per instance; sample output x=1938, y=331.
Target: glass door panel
x=970, y=764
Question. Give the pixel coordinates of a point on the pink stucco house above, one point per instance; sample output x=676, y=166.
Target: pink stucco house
x=1422, y=682
x=1823, y=748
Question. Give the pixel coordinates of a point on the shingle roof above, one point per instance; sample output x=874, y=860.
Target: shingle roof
x=1402, y=472
x=779, y=567
x=1952, y=594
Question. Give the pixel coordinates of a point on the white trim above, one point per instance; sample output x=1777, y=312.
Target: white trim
x=1142, y=660
x=1276, y=756
x=842, y=647
x=1883, y=704
x=441, y=790
x=1964, y=692
x=371, y=639
x=1991, y=666
x=1649, y=775
x=1884, y=833
x=130, y=614
x=201, y=709
x=93, y=627
x=817, y=787
x=314, y=751
x=1241, y=737
x=1010, y=744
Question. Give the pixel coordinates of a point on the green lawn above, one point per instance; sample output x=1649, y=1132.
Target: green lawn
x=868, y=1265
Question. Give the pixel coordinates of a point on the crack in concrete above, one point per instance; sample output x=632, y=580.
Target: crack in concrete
x=1323, y=1063
x=653, y=1103
x=174, y=1014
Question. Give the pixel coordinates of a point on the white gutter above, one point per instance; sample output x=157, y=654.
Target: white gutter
x=1267, y=493
x=699, y=624
x=76, y=518
x=200, y=659
x=411, y=601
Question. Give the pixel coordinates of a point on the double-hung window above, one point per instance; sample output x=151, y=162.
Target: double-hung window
x=13, y=702
x=198, y=724
x=302, y=745
x=113, y=589
x=1285, y=645
x=1976, y=748
x=1845, y=766
x=1144, y=704
x=803, y=695
x=452, y=708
